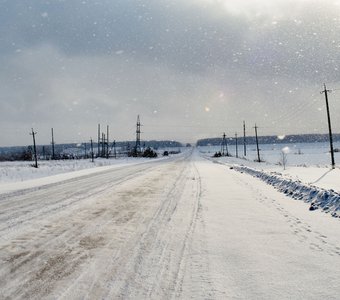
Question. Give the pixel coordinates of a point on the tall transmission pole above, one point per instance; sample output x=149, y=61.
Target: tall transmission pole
x=44, y=153
x=236, y=145
x=34, y=149
x=53, y=153
x=257, y=145
x=114, y=149
x=103, y=145
x=223, y=144
x=98, y=145
x=329, y=125
x=107, y=141
x=92, y=154
x=244, y=139
x=137, y=146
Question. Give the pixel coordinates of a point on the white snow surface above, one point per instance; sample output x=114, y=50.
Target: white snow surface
x=327, y=200
x=179, y=228
x=317, y=185
x=21, y=175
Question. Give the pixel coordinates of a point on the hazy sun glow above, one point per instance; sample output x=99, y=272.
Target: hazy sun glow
x=262, y=8
x=175, y=63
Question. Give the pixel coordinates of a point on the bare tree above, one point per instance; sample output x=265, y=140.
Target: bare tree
x=283, y=157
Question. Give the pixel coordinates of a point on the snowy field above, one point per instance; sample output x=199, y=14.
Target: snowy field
x=22, y=170
x=306, y=174
x=298, y=154
x=308, y=162
x=21, y=174
x=184, y=227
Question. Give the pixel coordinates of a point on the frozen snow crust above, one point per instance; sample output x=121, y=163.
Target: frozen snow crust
x=327, y=200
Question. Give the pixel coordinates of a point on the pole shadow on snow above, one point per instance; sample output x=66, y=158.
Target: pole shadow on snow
x=324, y=175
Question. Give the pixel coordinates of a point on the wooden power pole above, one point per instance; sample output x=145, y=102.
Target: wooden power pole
x=92, y=154
x=329, y=125
x=107, y=141
x=236, y=145
x=98, y=145
x=53, y=153
x=138, y=132
x=34, y=149
x=114, y=149
x=257, y=145
x=244, y=139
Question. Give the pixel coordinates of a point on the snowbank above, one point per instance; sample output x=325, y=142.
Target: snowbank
x=19, y=176
x=327, y=200
x=21, y=171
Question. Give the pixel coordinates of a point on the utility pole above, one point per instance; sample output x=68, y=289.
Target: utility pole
x=92, y=154
x=257, y=145
x=137, y=146
x=85, y=150
x=114, y=149
x=34, y=148
x=98, y=145
x=223, y=144
x=107, y=141
x=236, y=145
x=329, y=125
x=53, y=155
x=103, y=145
x=244, y=139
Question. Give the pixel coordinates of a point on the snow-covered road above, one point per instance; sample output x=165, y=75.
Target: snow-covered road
x=179, y=228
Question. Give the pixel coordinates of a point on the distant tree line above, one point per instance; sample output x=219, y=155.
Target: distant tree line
x=78, y=150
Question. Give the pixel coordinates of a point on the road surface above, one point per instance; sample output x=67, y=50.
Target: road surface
x=182, y=228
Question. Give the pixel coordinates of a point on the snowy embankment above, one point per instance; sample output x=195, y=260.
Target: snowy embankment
x=319, y=198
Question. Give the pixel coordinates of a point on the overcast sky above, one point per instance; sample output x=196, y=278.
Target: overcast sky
x=190, y=69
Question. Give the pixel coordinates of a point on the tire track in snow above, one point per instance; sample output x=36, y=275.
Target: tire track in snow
x=194, y=266
x=137, y=239
x=151, y=248
x=31, y=206
x=68, y=239
x=102, y=276
x=183, y=250
x=154, y=269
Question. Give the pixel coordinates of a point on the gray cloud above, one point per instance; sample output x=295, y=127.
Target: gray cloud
x=190, y=69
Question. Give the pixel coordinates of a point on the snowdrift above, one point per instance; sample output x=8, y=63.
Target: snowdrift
x=327, y=200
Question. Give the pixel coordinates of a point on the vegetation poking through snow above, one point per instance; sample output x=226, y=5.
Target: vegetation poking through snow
x=327, y=200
